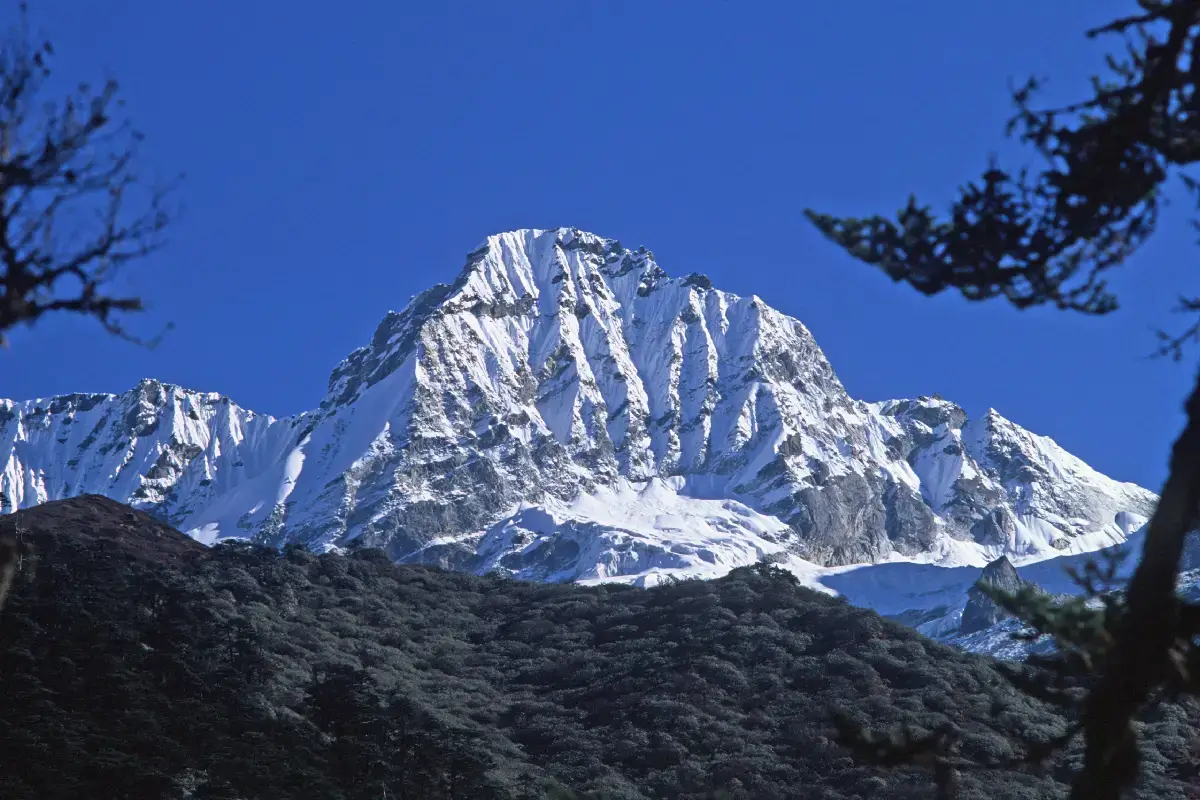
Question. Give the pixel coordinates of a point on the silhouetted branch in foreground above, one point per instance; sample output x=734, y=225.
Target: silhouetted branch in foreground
x=73, y=208
x=1051, y=237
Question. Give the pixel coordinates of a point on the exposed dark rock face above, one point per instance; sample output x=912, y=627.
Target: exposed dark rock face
x=981, y=611
x=842, y=522
x=995, y=528
x=911, y=525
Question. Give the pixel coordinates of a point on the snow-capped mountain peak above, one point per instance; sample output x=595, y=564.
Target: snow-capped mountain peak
x=489, y=424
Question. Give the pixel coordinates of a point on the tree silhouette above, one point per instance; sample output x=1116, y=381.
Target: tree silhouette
x=1050, y=237
x=73, y=209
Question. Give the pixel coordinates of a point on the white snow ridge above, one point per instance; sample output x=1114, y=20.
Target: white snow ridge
x=566, y=411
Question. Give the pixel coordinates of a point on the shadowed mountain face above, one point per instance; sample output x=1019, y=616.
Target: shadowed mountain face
x=981, y=611
x=566, y=411
x=145, y=665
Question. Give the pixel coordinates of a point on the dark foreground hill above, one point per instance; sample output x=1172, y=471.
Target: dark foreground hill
x=134, y=663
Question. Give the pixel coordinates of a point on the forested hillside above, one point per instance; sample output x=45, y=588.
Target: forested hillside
x=134, y=663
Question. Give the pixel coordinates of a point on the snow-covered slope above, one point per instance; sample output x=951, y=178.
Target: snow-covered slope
x=565, y=410
x=181, y=454
x=933, y=598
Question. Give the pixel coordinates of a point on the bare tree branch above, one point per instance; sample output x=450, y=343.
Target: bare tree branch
x=72, y=209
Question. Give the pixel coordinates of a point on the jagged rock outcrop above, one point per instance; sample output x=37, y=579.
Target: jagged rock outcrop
x=982, y=611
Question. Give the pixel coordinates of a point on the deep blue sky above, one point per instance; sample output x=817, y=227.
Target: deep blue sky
x=339, y=161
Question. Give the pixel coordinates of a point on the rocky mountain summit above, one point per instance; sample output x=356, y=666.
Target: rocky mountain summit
x=981, y=611
x=565, y=410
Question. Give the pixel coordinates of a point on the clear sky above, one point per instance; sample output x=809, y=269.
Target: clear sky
x=340, y=158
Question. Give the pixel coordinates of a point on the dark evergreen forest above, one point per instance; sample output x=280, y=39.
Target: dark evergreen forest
x=135, y=663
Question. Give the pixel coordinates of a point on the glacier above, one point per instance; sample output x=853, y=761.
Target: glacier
x=566, y=410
